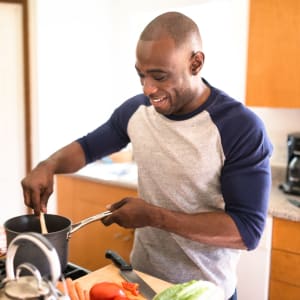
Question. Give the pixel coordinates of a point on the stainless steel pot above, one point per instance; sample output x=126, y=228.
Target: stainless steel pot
x=31, y=286
x=59, y=232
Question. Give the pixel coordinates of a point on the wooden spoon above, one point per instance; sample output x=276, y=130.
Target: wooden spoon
x=43, y=223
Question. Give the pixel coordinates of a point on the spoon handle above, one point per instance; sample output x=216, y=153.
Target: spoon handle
x=43, y=223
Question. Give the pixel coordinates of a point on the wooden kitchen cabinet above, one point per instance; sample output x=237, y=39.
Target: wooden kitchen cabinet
x=79, y=198
x=285, y=260
x=273, y=54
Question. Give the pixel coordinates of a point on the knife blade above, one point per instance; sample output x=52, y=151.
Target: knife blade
x=130, y=275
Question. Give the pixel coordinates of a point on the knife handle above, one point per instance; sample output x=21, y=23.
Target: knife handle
x=118, y=260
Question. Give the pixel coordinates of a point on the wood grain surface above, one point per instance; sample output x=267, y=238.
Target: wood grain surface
x=111, y=274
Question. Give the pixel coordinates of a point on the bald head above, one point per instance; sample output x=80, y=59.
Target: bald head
x=175, y=25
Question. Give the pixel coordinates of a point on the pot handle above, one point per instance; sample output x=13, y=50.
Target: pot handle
x=33, y=270
x=76, y=226
x=40, y=241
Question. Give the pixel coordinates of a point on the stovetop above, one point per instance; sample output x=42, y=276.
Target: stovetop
x=72, y=271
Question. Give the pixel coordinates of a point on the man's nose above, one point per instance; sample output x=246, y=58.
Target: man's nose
x=148, y=87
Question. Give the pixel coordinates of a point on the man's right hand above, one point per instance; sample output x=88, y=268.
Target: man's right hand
x=37, y=187
x=38, y=184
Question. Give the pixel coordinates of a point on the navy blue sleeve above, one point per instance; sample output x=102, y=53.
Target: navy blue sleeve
x=246, y=183
x=246, y=174
x=111, y=136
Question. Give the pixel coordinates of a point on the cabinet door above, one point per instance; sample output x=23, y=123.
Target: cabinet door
x=273, y=54
x=283, y=291
x=286, y=235
x=80, y=198
x=286, y=267
x=285, y=261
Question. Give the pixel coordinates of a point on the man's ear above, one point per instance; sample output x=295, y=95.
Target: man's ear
x=197, y=62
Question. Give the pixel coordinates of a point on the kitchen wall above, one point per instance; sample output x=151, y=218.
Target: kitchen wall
x=86, y=53
x=12, y=135
x=73, y=70
x=279, y=123
x=85, y=63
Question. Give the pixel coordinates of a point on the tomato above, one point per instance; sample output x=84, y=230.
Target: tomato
x=106, y=291
x=132, y=287
x=121, y=298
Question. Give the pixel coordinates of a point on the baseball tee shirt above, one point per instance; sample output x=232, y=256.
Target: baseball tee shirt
x=215, y=158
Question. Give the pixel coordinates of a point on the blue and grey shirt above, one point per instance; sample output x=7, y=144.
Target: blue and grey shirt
x=215, y=158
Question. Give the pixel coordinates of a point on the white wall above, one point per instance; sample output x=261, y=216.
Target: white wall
x=279, y=123
x=86, y=57
x=254, y=268
x=223, y=26
x=73, y=70
x=12, y=135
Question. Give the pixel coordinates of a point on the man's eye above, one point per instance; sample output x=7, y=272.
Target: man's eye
x=160, y=77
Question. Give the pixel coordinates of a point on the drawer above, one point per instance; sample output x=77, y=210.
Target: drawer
x=79, y=198
x=285, y=267
x=286, y=235
x=283, y=291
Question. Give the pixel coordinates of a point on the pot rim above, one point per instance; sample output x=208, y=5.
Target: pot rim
x=7, y=224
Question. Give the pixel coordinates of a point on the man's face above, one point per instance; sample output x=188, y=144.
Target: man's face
x=165, y=75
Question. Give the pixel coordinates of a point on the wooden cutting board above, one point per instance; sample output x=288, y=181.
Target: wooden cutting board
x=110, y=273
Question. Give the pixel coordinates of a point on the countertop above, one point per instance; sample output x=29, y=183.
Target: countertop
x=120, y=174
x=280, y=203
x=125, y=175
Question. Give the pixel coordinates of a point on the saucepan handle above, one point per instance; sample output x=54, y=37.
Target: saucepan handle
x=89, y=220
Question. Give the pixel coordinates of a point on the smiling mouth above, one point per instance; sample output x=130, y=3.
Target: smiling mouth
x=157, y=101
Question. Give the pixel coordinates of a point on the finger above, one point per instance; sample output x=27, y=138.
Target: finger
x=114, y=217
x=107, y=220
x=35, y=202
x=27, y=198
x=44, y=199
x=118, y=204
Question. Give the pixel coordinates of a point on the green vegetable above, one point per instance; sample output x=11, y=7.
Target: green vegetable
x=191, y=290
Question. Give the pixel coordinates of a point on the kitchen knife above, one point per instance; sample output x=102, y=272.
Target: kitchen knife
x=128, y=273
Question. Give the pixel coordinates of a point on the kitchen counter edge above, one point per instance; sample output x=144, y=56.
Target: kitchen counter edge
x=280, y=203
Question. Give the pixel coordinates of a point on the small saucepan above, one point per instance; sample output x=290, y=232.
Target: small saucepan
x=59, y=232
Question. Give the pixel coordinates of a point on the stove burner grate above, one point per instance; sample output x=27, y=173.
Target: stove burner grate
x=72, y=271
x=2, y=270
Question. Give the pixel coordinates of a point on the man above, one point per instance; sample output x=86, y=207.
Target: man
x=202, y=157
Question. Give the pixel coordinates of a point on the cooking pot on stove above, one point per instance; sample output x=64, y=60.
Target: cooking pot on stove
x=59, y=232
x=31, y=286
